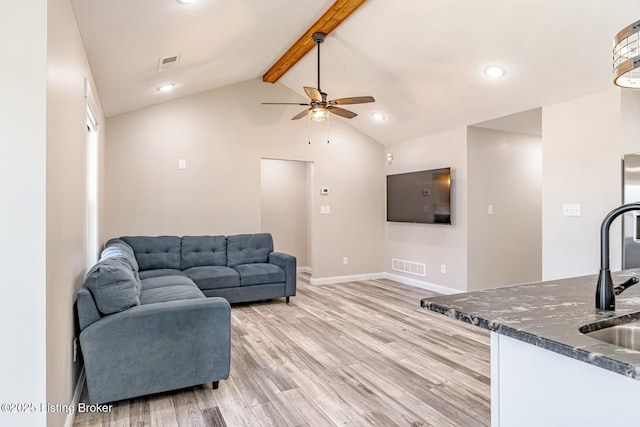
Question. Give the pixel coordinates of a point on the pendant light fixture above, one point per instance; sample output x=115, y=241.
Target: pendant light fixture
x=626, y=57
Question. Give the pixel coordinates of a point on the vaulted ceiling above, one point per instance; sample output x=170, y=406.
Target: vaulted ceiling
x=423, y=60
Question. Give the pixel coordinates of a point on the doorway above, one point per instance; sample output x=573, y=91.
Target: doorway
x=285, y=201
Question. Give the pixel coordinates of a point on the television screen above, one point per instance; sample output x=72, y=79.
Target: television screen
x=420, y=197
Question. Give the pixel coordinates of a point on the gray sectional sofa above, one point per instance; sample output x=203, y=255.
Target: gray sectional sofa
x=239, y=268
x=154, y=312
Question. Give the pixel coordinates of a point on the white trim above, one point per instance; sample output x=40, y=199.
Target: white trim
x=343, y=279
x=90, y=98
x=495, y=379
x=390, y=276
x=303, y=270
x=445, y=290
x=71, y=417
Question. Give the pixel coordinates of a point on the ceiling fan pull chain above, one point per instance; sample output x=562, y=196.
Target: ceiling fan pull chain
x=309, y=127
x=328, y=120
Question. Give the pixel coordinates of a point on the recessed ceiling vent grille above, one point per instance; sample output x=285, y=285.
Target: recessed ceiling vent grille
x=168, y=62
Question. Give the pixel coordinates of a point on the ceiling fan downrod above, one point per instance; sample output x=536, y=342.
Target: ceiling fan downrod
x=318, y=38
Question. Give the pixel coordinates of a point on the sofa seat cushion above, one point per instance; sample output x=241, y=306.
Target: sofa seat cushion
x=164, y=281
x=146, y=274
x=259, y=273
x=175, y=292
x=213, y=277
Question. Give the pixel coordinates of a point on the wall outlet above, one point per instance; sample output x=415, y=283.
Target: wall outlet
x=345, y=261
x=75, y=350
x=443, y=268
x=490, y=209
x=182, y=164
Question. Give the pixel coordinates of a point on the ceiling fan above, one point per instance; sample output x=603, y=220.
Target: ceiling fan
x=319, y=107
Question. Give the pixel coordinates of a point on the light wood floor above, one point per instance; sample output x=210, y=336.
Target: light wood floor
x=354, y=354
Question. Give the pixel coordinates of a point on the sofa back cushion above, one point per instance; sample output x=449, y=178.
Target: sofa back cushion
x=198, y=251
x=155, y=252
x=113, y=285
x=248, y=248
x=118, y=248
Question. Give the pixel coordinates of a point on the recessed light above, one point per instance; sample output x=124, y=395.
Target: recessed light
x=187, y=1
x=378, y=117
x=167, y=87
x=494, y=71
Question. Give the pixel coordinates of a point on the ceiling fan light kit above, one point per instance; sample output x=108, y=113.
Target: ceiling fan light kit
x=318, y=107
x=318, y=114
x=626, y=57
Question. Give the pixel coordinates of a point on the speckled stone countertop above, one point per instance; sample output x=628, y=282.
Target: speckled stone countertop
x=549, y=315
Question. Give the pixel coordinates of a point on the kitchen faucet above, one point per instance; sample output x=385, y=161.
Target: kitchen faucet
x=605, y=292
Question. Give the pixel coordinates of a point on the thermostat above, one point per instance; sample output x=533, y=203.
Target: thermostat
x=324, y=190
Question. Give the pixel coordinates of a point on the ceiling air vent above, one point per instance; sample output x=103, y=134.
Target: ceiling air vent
x=168, y=62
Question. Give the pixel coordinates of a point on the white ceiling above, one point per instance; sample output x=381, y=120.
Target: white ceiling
x=422, y=60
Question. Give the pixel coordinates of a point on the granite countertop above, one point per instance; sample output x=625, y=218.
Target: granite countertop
x=548, y=315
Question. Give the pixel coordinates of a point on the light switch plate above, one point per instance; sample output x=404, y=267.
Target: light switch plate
x=571, y=209
x=325, y=210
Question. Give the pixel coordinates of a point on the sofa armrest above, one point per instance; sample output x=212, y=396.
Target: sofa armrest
x=288, y=264
x=157, y=347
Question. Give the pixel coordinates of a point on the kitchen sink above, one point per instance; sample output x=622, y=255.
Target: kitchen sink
x=622, y=331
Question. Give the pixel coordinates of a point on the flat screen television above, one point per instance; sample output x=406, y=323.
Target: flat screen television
x=422, y=197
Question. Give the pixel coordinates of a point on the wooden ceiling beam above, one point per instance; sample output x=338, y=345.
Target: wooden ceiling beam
x=333, y=17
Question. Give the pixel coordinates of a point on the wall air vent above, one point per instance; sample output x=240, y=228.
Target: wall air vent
x=168, y=62
x=414, y=268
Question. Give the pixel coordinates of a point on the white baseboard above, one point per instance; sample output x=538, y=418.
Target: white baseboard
x=343, y=279
x=75, y=399
x=395, y=277
x=445, y=290
x=303, y=270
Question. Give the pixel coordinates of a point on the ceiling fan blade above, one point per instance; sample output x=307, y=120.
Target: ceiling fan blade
x=342, y=112
x=300, y=115
x=313, y=93
x=352, y=100
x=283, y=103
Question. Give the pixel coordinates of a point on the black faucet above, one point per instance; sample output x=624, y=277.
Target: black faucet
x=605, y=292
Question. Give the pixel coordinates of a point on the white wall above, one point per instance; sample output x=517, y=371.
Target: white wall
x=284, y=207
x=67, y=68
x=433, y=244
x=581, y=164
x=630, y=110
x=23, y=42
x=504, y=172
x=223, y=135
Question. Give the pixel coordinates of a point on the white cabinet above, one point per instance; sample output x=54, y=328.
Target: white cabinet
x=534, y=387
